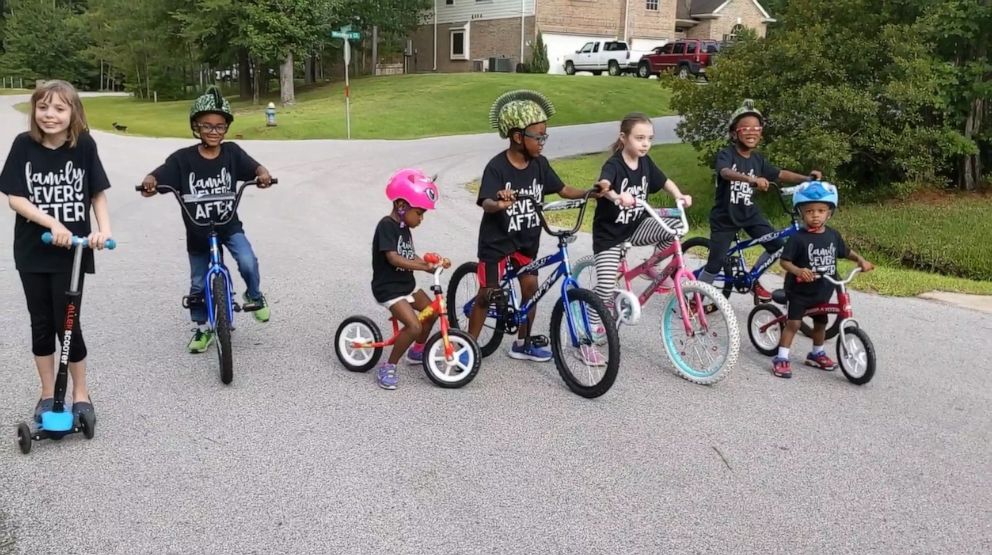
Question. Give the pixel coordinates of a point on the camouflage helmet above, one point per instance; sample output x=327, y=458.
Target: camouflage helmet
x=746, y=109
x=211, y=102
x=518, y=110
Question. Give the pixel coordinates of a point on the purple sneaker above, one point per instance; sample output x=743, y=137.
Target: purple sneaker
x=386, y=377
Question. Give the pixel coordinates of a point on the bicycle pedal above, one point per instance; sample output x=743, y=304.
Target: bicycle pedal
x=251, y=307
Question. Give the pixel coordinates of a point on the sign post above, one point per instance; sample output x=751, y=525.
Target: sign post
x=347, y=34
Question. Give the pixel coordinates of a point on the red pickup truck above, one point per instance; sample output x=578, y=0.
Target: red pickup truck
x=685, y=57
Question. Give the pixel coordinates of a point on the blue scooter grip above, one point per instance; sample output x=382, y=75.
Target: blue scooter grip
x=47, y=239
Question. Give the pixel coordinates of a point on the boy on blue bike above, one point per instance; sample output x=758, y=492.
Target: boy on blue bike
x=208, y=168
x=739, y=171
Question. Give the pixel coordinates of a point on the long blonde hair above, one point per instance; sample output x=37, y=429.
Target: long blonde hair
x=65, y=90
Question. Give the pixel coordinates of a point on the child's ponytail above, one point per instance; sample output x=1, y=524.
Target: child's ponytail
x=627, y=125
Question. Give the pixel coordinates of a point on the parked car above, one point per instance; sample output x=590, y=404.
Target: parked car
x=686, y=57
x=613, y=56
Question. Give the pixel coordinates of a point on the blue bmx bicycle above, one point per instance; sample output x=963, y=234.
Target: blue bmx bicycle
x=58, y=422
x=735, y=276
x=585, y=370
x=219, y=291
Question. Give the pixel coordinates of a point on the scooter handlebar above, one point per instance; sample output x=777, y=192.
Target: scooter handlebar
x=47, y=239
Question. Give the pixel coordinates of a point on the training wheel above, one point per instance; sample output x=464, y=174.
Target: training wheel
x=24, y=438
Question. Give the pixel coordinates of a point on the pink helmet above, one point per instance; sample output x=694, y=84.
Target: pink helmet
x=414, y=187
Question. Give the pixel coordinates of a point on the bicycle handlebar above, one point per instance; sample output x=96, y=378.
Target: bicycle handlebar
x=47, y=238
x=236, y=197
x=668, y=213
x=850, y=277
x=565, y=204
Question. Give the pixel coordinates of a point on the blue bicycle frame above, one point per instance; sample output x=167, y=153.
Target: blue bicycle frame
x=743, y=279
x=217, y=267
x=563, y=270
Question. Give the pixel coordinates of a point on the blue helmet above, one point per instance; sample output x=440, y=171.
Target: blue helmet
x=815, y=191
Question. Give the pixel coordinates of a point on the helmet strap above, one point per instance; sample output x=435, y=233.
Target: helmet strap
x=401, y=210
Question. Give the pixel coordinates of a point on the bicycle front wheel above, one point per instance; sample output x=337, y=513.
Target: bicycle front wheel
x=703, y=346
x=462, y=292
x=588, y=364
x=221, y=296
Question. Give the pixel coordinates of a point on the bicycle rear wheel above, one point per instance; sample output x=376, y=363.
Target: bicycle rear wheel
x=707, y=351
x=582, y=364
x=221, y=297
x=462, y=292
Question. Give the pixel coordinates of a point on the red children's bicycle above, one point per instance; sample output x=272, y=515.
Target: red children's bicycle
x=451, y=356
x=855, y=351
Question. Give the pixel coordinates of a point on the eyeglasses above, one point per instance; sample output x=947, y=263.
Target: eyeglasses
x=541, y=138
x=207, y=128
x=749, y=129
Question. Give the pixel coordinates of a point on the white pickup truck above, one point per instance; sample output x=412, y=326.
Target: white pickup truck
x=613, y=56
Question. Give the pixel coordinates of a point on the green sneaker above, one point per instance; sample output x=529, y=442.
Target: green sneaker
x=201, y=340
x=262, y=313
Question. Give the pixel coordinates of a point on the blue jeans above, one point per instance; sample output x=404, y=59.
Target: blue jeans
x=241, y=250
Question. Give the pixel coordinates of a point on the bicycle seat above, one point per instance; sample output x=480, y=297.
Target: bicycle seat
x=779, y=296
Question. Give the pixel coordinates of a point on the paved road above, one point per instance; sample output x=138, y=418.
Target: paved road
x=299, y=455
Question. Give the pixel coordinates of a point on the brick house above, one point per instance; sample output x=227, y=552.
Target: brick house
x=463, y=35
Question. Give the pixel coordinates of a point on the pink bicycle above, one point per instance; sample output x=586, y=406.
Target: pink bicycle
x=698, y=326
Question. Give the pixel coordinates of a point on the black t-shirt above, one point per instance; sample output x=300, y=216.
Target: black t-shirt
x=517, y=228
x=818, y=252
x=61, y=183
x=734, y=207
x=388, y=281
x=192, y=174
x=613, y=224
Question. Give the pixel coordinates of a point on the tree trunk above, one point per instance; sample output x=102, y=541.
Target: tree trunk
x=257, y=71
x=244, y=75
x=287, y=90
x=971, y=168
x=308, y=70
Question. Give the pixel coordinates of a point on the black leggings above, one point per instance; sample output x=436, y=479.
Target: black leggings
x=45, y=294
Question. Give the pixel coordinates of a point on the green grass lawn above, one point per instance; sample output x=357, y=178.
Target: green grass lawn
x=10, y=92
x=917, y=246
x=396, y=107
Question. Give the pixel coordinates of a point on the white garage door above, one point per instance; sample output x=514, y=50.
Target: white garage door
x=561, y=45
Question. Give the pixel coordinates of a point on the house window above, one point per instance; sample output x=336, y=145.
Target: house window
x=736, y=31
x=459, y=44
x=652, y=5
x=449, y=2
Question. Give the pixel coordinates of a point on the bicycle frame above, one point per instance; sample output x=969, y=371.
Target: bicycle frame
x=437, y=306
x=676, y=269
x=217, y=267
x=563, y=269
x=748, y=277
x=842, y=308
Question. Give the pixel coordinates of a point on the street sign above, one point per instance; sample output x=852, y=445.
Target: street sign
x=350, y=35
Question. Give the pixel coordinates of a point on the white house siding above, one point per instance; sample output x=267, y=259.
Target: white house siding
x=471, y=10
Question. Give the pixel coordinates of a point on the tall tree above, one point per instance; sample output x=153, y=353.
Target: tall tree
x=42, y=40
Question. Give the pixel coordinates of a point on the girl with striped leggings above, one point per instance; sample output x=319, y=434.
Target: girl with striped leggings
x=629, y=174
